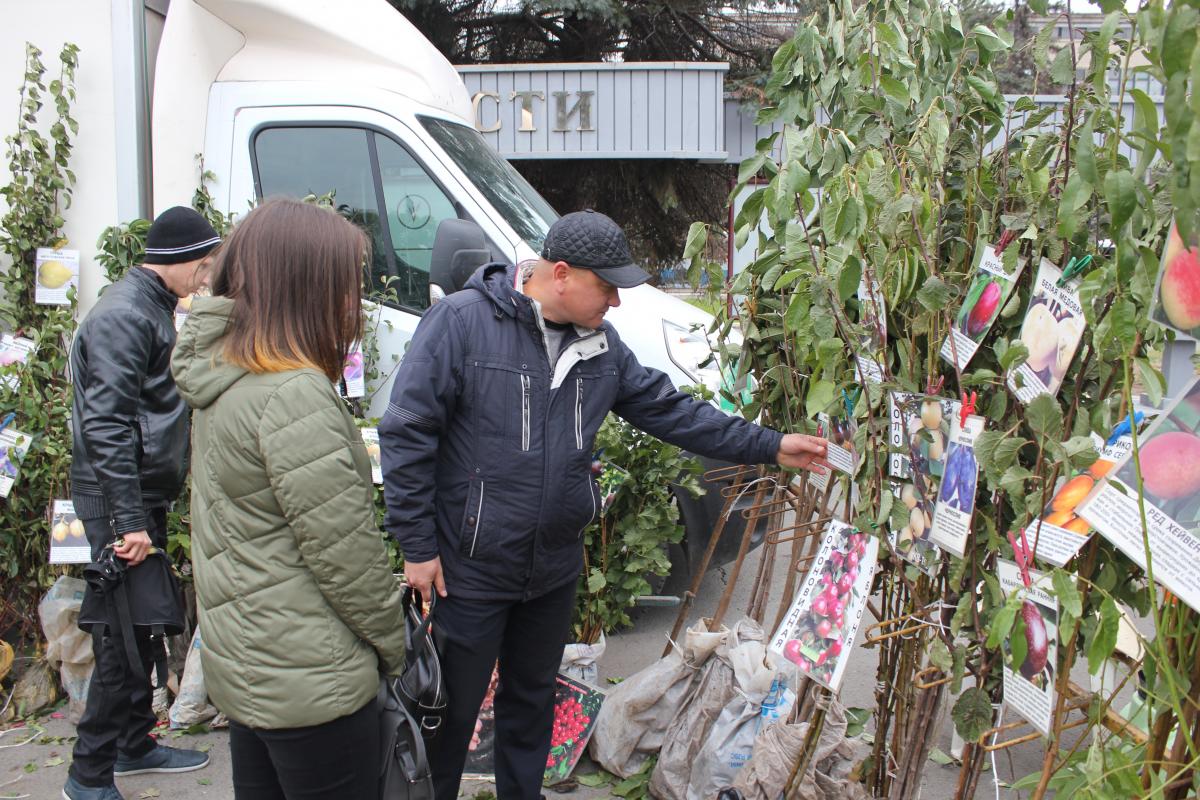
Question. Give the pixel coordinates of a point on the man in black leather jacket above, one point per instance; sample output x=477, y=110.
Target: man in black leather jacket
x=129, y=463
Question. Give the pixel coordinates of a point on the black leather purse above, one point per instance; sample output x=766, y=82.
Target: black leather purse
x=421, y=687
x=404, y=767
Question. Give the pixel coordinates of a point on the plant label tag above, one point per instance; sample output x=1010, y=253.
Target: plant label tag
x=13, y=447
x=1176, y=292
x=1169, y=454
x=956, y=495
x=840, y=453
x=816, y=637
x=68, y=544
x=1033, y=642
x=872, y=344
x=1051, y=331
x=57, y=273
x=990, y=288
x=370, y=437
x=14, y=350
x=354, y=373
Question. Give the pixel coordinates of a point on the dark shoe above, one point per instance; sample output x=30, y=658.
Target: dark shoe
x=74, y=790
x=162, y=759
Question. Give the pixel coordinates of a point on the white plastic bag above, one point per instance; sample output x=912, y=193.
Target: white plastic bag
x=730, y=741
x=579, y=661
x=68, y=649
x=710, y=693
x=191, y=706
x=636, y=712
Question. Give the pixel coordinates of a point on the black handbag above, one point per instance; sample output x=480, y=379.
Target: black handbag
x=404, y=767
x=421, y=687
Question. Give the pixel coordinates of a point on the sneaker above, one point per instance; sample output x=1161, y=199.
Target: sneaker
x=74, y=790
x=162, y=759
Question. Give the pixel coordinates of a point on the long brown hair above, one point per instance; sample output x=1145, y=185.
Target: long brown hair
x=295, y=272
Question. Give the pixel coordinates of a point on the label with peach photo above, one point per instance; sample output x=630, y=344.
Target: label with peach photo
x=1169, y=458
x=1051, y=332
x=1060, y=532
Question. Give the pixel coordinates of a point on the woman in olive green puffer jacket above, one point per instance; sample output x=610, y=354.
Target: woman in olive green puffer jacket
x=298, y=605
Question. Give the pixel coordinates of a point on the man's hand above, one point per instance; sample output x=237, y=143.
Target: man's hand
x=423, y=575
x=800, y=451
x=134, y=547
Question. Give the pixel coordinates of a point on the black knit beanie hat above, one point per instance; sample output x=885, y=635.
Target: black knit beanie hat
x=179, y=234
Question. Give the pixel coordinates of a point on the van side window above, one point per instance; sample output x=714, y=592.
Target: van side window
x=375, y=183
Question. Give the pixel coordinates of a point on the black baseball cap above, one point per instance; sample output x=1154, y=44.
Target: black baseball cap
x=591, y=240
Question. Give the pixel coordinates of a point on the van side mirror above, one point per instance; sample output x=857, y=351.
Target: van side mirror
x=459, y=248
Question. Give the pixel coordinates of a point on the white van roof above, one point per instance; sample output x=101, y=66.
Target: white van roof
x=359, y=43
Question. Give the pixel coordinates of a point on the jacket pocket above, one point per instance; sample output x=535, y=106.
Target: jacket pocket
x=472, y=519
x=594, y=491
x=526, y=402
x=579, y=413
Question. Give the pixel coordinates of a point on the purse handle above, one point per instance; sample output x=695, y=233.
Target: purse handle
x=413, y=607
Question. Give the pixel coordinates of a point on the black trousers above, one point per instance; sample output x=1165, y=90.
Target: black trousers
x=527, y=640
x=336, y=760
x=118, y=717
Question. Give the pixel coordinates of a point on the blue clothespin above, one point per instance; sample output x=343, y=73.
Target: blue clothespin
x=8, y=419
x=1124, y=427
x=1074, y=267
x=850, y=402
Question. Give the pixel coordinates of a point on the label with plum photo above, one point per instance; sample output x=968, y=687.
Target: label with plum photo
x=1051, y=332
x=370, y=437
x=1169, y=455
x=1177, y=291
x=991, y=285
x=956, y=496
x=840, y=453
x=918, y=434
x=817, y=634
x=68, y=544
x=1031, y=649
x=1058, y=534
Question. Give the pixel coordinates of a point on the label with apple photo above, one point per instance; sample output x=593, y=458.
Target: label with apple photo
x=1051, y=331
x=1169, y=455
x=1176, y=302
x=354, y=373
x=68, y=544
x=817, y=634
x=956, y=495
x=991, y=284
x=14, y=350
x=1031, y=649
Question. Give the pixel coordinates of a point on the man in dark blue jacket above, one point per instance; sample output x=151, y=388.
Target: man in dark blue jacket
x=487, y=450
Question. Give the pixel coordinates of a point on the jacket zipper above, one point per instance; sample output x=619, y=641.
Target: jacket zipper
x=579, y=413
x=525, y=403
x=478, y=519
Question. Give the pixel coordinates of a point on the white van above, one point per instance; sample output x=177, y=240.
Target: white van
x=298, y=97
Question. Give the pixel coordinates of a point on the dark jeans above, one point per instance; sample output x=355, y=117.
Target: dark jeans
x=118, y=717
x=527, y=639
x=336, y=760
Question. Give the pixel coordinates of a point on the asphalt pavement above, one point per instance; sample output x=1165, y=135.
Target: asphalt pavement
x=33, y=762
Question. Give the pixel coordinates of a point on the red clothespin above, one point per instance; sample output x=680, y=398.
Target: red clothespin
x=968, y=408
x=1006, y=239
x=1022, y=556
x=933, y=387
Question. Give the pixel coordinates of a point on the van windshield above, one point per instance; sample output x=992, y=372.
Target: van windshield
x=520, y=205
